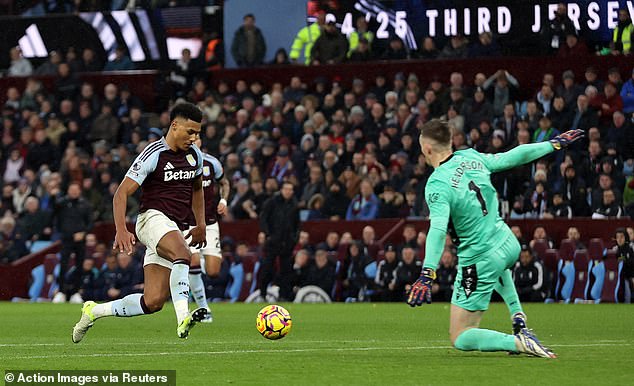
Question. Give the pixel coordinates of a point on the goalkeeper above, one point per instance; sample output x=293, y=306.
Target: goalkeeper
x=463, y=202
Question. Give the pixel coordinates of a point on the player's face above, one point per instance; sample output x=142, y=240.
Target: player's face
x=185, y=132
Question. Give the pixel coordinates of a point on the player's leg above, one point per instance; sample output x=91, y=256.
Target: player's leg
x=196, y=281
x=174, y=248
x=155, y=294
x=505, y=286
x=466, y=335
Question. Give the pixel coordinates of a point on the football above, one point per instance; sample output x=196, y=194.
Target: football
x=273, y=322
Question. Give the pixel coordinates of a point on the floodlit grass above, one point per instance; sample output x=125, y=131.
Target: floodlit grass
x=363, y=343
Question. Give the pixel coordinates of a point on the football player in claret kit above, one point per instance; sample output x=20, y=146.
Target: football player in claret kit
x=170, y=174
x=463, y=201
x=216, y=188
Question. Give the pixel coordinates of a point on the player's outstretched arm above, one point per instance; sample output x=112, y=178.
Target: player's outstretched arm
x=524, y=154
x=123, y=240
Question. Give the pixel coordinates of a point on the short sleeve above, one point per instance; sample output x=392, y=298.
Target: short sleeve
x=218, y=169
x=143, y=165
x=199, y=163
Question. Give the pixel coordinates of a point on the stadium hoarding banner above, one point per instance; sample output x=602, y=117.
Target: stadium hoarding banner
x=515, y=21
x=141, y=32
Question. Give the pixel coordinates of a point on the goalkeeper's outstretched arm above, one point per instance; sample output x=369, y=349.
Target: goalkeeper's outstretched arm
x=523, y=154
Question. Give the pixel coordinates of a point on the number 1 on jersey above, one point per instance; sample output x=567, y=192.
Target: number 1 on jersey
x=476, y=189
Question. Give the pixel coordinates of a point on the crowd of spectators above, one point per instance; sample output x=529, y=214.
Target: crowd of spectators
x=348, y=153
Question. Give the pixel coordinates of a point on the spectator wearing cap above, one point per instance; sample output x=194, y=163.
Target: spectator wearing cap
x=456, y=48
x=331, y=47
x=528, y=274
x=627, y=94
x=20, y=66
x=282, y=168
x=501, y=88
x=248, y=47
x=385, y=276
x=49, y=67
x=395, y=50
x=428, y=49
x=121, y=61
x=485, y=46
x=365, y=205
x=569, y=90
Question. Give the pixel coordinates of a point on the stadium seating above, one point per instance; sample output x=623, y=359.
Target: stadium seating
x=612, y=291
x=582, y=267
x=549, y=260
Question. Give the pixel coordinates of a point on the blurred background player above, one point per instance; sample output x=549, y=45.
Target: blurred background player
x=463, y=202
x=169, y=172
x=216, y=188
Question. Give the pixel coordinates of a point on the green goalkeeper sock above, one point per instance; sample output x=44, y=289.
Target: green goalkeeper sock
x=506, y=288
x=485, y=340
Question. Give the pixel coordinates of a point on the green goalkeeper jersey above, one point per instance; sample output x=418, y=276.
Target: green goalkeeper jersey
x=463, y=202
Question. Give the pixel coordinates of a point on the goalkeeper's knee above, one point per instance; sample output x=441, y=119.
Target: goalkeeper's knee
x=465, y=341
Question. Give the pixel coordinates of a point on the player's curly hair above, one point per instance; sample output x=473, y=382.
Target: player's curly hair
x=437, y=130
x=188, y=111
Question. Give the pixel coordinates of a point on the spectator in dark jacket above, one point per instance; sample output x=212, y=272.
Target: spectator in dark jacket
x=12, y=245
x=456, y=48
x=485, y=46
x=34, y=223
x=528, y=274
x=121, y=62
x=385, y=276
x=331, y=46
x=442, y=289
x=83, y=283
x=395, y=50
x=73, y=218
x=322, y=273
x=556, y=30
x=336, y=202
x=279, y=221
x=128, y=280
x=355, y=281
x=248, y=47
x=406, y=273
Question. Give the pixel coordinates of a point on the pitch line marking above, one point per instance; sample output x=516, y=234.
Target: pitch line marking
x=282, y=351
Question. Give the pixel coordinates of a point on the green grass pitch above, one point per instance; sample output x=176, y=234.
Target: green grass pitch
x=332, y=344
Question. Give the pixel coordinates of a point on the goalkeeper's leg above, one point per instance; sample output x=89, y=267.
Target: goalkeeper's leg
x=466, y=335
x=506, y=288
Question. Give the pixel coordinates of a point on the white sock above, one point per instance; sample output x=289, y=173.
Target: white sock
x=198, y=289
x=179, y=288
x=128, y=306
